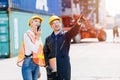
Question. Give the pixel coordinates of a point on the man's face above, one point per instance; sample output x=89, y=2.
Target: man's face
x=56, y=25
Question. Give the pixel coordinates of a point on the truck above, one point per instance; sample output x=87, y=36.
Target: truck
x=73, y=9
x=86, y=29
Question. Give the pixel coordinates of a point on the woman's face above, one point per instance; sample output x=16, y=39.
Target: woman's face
x=34, y=24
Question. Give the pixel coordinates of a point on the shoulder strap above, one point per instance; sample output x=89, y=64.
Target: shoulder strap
x=32, y=38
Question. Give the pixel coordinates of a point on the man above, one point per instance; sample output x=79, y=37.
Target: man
x=56, y=50
x=115, y=33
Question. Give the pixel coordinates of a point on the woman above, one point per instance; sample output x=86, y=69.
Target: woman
x=31, y=50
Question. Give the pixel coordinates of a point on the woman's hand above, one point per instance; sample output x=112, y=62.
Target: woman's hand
x=38, y=33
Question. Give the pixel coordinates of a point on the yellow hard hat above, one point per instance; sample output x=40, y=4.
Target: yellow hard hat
x=54, y=17
x=35, y=17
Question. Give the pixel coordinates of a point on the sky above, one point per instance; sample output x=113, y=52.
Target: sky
x=113, y=7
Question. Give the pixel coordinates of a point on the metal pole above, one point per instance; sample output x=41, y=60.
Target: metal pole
x=97, y=11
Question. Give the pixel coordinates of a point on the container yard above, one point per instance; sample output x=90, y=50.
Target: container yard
x=14, y=16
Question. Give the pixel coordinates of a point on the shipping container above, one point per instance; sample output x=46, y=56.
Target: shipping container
x=13, y=24
x=3, y=4
x=4, y=35
x=47, y=7
x=18, y=25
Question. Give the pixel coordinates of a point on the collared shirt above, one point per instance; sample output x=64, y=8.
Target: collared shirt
x=29, y=46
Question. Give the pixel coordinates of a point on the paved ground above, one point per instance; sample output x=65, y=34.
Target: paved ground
x=90, y=60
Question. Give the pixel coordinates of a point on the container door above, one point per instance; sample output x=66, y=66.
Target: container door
x=4, y=35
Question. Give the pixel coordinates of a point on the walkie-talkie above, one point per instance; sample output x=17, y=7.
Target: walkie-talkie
x=38, y=28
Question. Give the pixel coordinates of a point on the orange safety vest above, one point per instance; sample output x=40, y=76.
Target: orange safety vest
x=38, y=58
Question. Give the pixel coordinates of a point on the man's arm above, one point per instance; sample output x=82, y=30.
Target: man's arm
x=46, y=52
x=73, y=32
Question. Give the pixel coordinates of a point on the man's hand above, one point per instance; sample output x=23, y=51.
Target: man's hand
x=49, y=69
x=81, y=20
x=79, y=23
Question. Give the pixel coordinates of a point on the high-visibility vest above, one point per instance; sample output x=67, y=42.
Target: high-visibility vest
x=38, y=58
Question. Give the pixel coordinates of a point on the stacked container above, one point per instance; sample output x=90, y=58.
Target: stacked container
x=4, y=34
x=19, y=12
x=4, y=30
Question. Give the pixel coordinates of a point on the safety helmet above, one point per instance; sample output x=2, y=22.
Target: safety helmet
x=54, y=17
x=35, y=17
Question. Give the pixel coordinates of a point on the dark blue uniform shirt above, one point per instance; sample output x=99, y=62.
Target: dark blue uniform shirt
x=58, y=46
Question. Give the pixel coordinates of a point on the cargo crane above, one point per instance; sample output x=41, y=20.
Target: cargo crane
x=86, y=30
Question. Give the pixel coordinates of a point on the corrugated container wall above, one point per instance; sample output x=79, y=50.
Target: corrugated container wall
x=4, y=35
x=19, y=25
x=46, y=7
